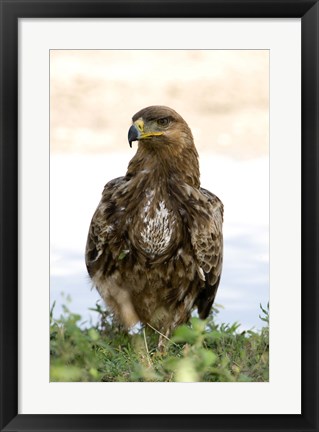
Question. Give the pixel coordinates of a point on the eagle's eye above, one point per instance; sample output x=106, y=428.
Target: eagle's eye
x=163, y=121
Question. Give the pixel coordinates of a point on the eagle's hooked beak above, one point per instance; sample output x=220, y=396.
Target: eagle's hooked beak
x=136, y=132
x=133, y=134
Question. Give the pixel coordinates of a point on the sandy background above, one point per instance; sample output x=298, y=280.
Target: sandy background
x=223, y=96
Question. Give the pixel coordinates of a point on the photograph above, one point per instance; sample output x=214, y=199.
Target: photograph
x=159, y=215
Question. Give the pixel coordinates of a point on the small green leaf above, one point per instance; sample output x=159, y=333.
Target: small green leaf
x=208, y=357
x=184, y=334
x=94, y=373
x=198, y=324
x=94, y=335
x=186, y=371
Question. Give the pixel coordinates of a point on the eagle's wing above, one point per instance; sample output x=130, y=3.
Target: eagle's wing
x=207, y=241
x=104, y=226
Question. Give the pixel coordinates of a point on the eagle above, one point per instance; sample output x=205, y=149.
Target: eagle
x=154, y=250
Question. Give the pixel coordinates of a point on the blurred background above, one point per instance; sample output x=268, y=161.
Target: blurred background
x=224, y=97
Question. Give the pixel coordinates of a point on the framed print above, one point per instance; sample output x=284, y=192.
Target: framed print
x=73, y=73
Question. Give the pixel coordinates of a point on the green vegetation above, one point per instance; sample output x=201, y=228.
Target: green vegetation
x=200, y=351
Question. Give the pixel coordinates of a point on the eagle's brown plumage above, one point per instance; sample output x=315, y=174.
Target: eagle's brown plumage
x=155, y=245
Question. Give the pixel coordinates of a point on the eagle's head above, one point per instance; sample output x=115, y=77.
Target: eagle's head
x=159, y=125
x=166, y=145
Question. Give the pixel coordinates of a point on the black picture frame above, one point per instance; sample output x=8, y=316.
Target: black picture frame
x=11, y=11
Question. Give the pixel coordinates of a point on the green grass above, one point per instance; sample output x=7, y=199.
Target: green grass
x=199, y=351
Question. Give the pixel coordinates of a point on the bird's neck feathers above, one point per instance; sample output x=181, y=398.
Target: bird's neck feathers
x=163, y=161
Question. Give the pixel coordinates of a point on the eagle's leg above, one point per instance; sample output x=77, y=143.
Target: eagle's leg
x=163, y=341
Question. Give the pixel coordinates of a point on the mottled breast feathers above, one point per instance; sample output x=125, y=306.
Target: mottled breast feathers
x=155, y=245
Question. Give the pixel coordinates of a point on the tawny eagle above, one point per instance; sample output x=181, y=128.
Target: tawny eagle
x=155, y=245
